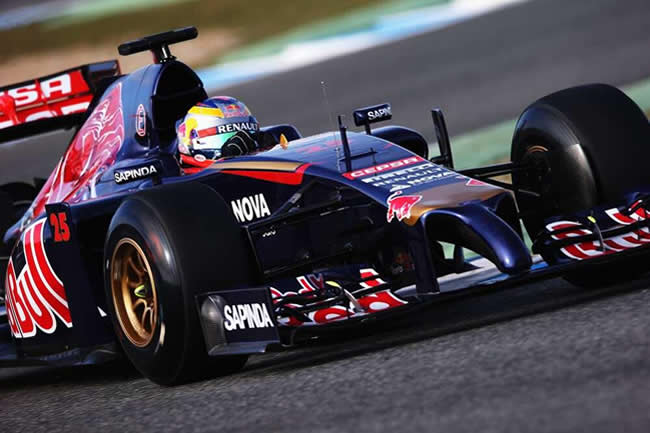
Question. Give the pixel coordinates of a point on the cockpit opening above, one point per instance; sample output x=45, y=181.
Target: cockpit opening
x=178, y=89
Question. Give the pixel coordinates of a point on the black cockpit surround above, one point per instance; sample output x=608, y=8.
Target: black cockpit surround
x=177, y=90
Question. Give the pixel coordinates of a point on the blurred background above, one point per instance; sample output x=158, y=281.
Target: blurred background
x=48, y=35
x=482, y=61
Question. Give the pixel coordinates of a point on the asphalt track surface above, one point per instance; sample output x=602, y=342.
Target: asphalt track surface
x=542, y=357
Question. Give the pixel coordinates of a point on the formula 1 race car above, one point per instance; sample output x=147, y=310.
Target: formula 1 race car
x=187, y=275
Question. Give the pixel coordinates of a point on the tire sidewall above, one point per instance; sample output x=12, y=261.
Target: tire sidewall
x=572, y=185
x=156, y=359
x=597, y=141
x=194, y=245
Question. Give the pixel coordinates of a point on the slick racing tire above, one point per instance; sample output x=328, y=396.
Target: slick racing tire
x=6, y=219
x=15, y=199
x=585, y=146
x=163, y=247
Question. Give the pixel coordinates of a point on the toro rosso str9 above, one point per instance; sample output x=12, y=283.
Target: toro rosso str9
x=187, y=275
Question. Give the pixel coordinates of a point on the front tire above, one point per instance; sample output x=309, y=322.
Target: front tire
x=586, y=146
x=164, y=246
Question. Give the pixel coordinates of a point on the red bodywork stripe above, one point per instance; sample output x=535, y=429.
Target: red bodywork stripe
x=47, y=283
x=283, y=177
x=207, y=132
x=186, y=159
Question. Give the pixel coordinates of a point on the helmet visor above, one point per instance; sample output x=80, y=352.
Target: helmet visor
x=209, y=141
x=210, y=145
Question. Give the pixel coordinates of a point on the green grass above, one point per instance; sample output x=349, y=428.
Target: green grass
x=250, y=21
x=491, y=145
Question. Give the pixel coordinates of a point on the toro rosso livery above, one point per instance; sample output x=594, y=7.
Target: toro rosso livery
x=189, y=273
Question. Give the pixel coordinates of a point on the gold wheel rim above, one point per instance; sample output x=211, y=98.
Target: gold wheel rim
x=134, y=292
x=534, y=149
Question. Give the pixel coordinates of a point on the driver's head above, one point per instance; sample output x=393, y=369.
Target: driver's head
x=217, y=127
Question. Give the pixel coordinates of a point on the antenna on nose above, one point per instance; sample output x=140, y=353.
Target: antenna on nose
x=346, y=145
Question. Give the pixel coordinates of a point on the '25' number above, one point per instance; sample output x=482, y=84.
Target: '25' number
x=60, y=227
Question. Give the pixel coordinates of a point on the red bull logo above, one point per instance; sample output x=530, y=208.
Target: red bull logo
x=35, y=295
x=236, y=110
x=399, y=206
x=93, y=149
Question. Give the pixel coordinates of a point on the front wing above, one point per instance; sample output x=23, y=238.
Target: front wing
x=352, y=311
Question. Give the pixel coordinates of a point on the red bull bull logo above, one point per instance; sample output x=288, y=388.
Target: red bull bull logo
x=236, y=110
x=399, y=206
x=94, y=148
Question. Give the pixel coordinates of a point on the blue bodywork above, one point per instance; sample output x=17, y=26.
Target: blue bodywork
x=322, y=215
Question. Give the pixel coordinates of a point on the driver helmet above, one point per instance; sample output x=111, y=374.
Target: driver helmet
x=214, y=128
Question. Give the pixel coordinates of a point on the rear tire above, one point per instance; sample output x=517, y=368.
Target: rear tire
x=15, y=199
x=188, y=242
x=21, y=195
x=6, y=209
x=589, y=146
